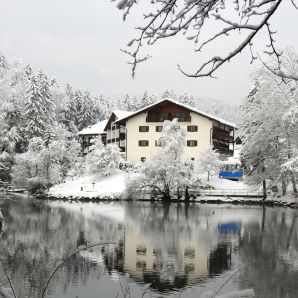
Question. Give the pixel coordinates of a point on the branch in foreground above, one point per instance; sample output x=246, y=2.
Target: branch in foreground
x=167, y=18
x=280, y=73
x=67, y=258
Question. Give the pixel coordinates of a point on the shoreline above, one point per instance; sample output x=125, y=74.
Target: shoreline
x=200, y=200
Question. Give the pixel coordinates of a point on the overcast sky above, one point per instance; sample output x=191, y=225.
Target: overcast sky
x=79, y=41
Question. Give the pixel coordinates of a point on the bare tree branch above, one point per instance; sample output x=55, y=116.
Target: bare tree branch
x=67, y=258
x=168, y=18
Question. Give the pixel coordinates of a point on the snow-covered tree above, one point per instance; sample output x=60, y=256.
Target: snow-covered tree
x=208, y=162
x=34, y=110
x=3, y=62
x=166, y=173
x=47, y=100
x=269, y=131
x=87, y=116
x=187, y=99
x=103, y=160
x=44, y=165
x=39, y=167
x=169, y=94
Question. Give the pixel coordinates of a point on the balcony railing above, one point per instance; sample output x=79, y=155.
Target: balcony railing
x=113, y=134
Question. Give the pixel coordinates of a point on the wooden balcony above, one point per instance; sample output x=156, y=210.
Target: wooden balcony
x=153, y=118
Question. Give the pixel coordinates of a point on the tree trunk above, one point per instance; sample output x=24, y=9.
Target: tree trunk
x=167, y=196
x=294, y=183
x=263, y=219
x=264, y=190
x=179, y=195
x=208, y=176
x=283, y=184
x=187, y=196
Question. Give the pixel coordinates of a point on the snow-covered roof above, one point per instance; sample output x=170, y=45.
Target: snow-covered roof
x=122, y=114
x=179, y=104
x=119, y=115
x=97, y=128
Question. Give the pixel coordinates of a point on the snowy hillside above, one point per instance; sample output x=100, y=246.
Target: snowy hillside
x=218, y=108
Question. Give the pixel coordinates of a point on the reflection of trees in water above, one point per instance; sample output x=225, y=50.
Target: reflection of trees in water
x=220, y=259
x=37, y=237
x=169, y=247
x=263, y=251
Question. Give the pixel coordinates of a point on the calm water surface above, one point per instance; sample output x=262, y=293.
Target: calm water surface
x=169, y=250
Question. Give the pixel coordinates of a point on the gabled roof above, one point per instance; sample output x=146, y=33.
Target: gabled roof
x=192, y=109
x=97, y=128
x=117, y=114
x=121, y=114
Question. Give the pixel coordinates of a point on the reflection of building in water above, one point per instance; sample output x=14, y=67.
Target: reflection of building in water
x=165, y=248
x=165, y=266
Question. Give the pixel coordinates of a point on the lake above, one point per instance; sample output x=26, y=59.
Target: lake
x=155, y=250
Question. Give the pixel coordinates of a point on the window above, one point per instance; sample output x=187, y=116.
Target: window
x=181, y=116
x=141, y=265
x=192, y=128
x=143, y=128
x=158, y=128
x=143, y=143
x=192, y=143
x=141, y=250
x=143, y=159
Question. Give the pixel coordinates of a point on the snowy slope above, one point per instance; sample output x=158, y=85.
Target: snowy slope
x=90, y=187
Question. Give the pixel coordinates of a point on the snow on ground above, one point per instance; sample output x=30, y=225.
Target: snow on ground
x=289, y=198
x=219, y=183
x=90, y=187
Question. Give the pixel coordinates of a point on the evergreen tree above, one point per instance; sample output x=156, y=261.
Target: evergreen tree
x=166, y=94
x=3, y=62
x=87, y=111
x=75, y=108
x=28, y=71
x=34, y=110
x=47, y=100
x=169, y=94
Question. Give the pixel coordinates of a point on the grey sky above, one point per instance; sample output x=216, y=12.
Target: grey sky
x=79, y=41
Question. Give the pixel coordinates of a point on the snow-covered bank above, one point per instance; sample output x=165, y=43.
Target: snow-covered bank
x=291, y=202
x=90, y=187
x=113, y=187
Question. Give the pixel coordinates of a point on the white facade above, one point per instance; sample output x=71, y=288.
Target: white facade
x=140, y=131
x=136, y=153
